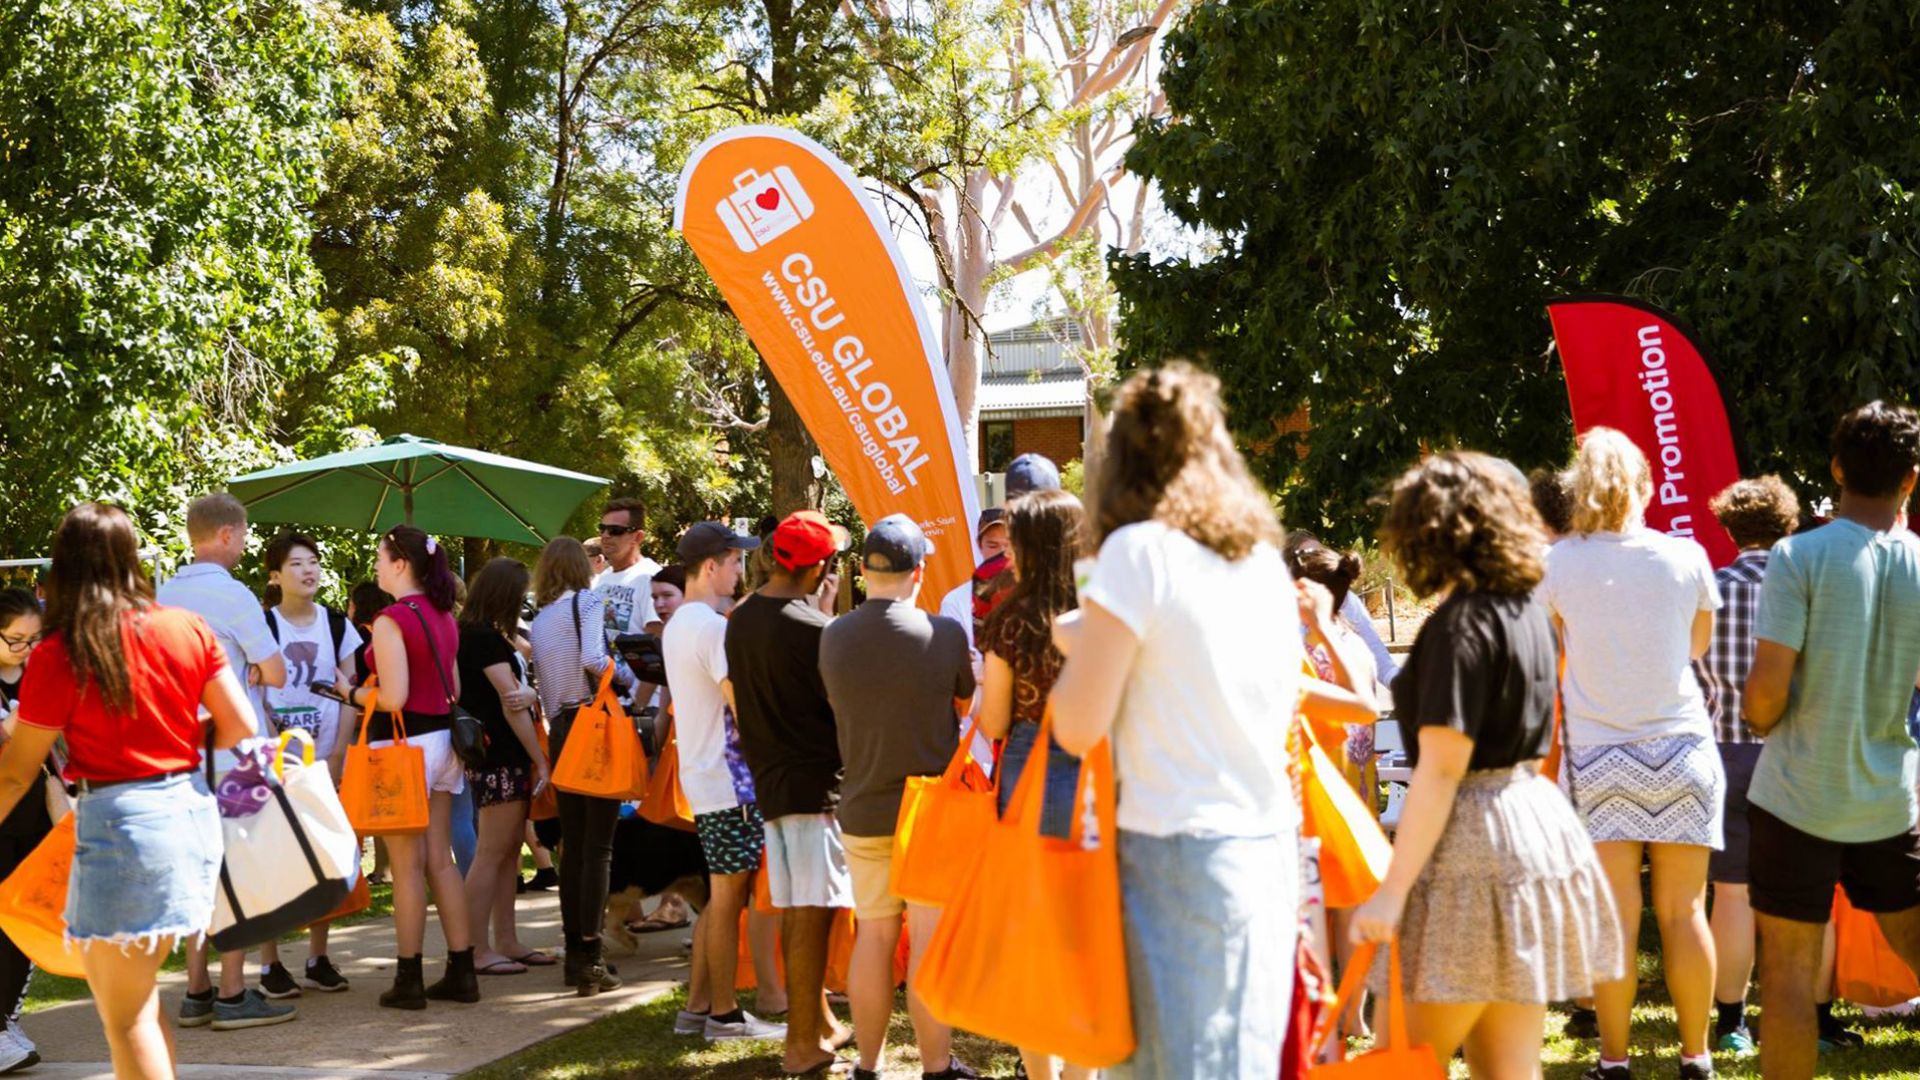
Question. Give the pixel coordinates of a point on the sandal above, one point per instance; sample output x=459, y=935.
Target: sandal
x=833, y=1066
x=535, y=958
x=502, y=967
x=653, y=924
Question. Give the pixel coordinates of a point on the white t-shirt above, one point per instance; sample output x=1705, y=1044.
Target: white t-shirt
x=629, y=597
x=1628, y=601
x=958, y=606
x=1200, y=745
x=312, y=656
x=695, y=645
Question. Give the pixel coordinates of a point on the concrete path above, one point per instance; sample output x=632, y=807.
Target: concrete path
x=349, y=1037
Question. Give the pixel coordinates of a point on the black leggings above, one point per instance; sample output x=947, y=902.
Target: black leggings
x=15, y=968
x=586, y=852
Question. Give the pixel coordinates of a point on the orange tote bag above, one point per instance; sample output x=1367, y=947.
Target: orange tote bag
x=1395, y=1059
x=1353, y=851
x=942, y=820
x=545, y=804
x=1029, y=950
x=1866, y=970
x=33, y=903
x=384, y=788
x=599, y=758
x=665, y=803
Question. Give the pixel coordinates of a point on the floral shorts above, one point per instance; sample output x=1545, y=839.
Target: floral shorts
x=501, y=784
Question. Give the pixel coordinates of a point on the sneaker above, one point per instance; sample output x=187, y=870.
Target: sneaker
x=543, y=880
x=955, y=1070
x=1738, y=1042
x=1691, y=1071
x=252, y=1010
x=324, y=977
x=1902, y=1008
x=20, y=1036
x=277, y=983
x=748, y=1026
x=1618, y=1072
x=196, y=1010
x=16, y=1052
x=1841, y=1039
x=1582, y=1024
x=689, y=1023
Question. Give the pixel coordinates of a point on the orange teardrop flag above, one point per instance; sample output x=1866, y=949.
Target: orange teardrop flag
x=811, y=270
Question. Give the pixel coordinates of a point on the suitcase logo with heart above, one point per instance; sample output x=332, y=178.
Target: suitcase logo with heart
x=763, y=207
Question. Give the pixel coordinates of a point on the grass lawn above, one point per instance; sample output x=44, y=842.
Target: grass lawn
x=639, y=1044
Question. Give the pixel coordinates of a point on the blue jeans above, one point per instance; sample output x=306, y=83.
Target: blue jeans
x=145, y=859
x=1062, y=780
x=1210, y=925
x=466, y=829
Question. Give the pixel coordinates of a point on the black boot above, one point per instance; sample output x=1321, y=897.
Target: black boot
x=459, y=983
x=594, y=974
x=407, y=993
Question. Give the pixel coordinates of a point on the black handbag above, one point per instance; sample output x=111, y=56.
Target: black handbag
x=469, y=735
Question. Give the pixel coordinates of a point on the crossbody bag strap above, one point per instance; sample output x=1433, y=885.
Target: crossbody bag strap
x=439, y=666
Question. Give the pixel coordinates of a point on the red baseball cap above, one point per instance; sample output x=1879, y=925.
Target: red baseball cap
x=805, y=539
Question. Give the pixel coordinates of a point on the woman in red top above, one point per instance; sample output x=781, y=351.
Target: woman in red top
x=124, y=679
x=414, y=645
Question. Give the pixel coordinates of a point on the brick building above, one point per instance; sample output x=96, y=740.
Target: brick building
x=1033, y=395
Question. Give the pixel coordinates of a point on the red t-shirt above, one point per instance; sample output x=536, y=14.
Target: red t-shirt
x=426, y=694
x=171, y=657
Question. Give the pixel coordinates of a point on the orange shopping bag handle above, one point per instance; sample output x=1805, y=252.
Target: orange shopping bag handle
x=1350, y=983
x=372, y=706
x=1025, y=805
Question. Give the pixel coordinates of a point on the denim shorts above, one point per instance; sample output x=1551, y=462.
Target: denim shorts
x=146, y=861
x=1210, y=924
x=1062, y=780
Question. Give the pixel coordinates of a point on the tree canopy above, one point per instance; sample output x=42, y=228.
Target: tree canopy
x=1397, y=190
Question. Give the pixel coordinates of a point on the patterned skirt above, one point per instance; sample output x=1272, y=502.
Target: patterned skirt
x=1670, y=789
x=1513, y=905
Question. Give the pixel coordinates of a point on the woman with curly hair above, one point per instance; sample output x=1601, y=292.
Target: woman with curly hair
x=1186, y=649
x=1494, y=889
x=1635, y=609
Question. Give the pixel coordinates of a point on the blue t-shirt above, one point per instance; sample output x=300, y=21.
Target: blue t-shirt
x=1841, y=765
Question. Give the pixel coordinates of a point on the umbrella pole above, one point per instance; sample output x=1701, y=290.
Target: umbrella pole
x=407, y=502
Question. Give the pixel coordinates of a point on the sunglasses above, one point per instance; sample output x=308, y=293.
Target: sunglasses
x=617, y=530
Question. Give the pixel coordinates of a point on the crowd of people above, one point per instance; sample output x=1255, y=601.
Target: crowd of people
x=1588, y=699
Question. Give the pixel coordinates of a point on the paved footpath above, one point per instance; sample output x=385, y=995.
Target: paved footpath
x=349, y=1037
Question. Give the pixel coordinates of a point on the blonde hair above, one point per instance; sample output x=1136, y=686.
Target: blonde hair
x=563, y=568
x=208, y=514
x=1171, y=459
x=1611, y=482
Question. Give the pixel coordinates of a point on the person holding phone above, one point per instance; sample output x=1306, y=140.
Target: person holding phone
x=493, y=688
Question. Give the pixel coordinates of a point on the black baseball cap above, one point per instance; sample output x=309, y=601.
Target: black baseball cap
x=711, y=539
x=895, y=545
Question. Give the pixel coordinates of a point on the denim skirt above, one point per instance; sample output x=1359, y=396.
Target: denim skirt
x=146, y=861
x=1061, y=783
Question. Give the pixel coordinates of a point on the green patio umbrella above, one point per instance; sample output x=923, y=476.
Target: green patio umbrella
x=443, y=489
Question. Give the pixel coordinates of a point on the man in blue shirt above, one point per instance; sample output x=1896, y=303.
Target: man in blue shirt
x=1836, y=654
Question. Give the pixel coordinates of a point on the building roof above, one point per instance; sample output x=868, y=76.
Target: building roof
x=1046, y=348
x=1060, y=395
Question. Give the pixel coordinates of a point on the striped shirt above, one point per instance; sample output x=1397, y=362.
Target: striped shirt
x=1723, y=670
x=564, y=652
x=235, y=616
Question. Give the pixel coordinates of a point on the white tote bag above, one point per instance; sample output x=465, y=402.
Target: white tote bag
x=291, y=860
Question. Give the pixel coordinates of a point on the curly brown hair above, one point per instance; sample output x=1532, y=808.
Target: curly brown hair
x=1757, y=512
x=1170, y=459
x=1462, y=520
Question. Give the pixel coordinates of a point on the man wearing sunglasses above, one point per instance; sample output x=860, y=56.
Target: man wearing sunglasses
x=627, y=583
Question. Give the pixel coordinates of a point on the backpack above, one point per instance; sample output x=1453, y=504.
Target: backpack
x=336, y=625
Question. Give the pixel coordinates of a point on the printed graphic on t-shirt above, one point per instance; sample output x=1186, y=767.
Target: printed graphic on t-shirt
x=620, y=603
x=311, y=656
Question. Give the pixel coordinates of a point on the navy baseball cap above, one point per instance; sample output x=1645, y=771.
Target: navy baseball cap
x=895, y=545
x=709, y=539
x=1029, y=473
